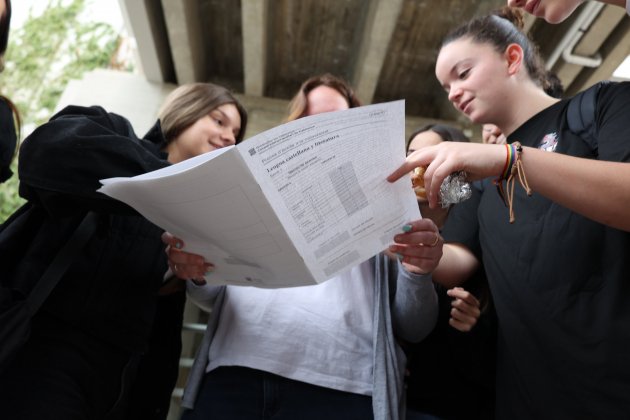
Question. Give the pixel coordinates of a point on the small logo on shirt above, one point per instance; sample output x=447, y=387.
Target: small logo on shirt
x=549, y=142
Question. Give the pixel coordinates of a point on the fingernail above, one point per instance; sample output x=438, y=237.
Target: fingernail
x=406, y=228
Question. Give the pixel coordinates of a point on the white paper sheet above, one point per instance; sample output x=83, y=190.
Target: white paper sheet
x=292, y=206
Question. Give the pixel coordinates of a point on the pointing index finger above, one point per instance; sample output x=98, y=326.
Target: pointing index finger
x=402, y=170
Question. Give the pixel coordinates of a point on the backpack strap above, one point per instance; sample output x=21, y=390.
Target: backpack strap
x=61, y=262
x=581, y=115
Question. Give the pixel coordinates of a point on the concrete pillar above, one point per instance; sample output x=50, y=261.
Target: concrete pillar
x=254, y=23
x=185, y=38
x=379, y=27
x=145, y=21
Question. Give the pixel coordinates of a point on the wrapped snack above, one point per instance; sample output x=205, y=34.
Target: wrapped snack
x=454, y=189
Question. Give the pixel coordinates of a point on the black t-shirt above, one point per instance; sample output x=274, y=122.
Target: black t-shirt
x=560, y=281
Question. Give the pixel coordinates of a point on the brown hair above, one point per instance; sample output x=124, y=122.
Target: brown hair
x=16, y=114
x=500, y=29
x=5, y=23
x=190, y=102
x=297, y=106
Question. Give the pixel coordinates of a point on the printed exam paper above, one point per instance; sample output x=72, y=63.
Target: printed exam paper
x=291, y=206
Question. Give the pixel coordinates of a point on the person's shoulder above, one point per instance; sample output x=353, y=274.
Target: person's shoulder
x=612, y=89
x=94, y=116
x=73, y=111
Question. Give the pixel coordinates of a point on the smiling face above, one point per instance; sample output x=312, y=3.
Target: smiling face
x=216, y=130
x=325, y=99
x=475, y=77
x=553, y=11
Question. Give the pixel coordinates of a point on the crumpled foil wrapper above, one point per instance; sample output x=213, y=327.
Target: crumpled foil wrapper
x=454, y=189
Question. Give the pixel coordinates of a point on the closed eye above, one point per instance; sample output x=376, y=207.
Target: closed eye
x=463, y=74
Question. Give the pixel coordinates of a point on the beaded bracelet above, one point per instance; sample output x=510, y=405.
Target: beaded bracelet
x=513, y=166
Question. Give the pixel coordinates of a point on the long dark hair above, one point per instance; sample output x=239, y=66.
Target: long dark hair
x=5, y=23
x=9, y=140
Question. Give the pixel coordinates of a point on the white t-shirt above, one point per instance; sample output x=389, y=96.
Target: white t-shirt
x=319, y=334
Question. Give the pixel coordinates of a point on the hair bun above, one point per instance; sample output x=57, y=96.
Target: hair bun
x=512, y=14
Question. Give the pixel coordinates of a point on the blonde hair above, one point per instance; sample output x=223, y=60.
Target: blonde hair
x=190, y=102
x=297, y=106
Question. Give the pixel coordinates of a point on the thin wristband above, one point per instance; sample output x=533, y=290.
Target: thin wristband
x=507, y=162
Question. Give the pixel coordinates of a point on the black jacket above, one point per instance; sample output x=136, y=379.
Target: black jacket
x=110, y=289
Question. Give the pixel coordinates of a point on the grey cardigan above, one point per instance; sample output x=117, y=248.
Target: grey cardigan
x=405, y=306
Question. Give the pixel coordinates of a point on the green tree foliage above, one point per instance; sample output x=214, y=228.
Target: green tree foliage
x=9, y=199
x=43, y=55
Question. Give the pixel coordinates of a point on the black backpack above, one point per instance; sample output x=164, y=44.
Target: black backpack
x=581, y=115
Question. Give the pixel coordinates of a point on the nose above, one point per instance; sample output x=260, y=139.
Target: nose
x=228, y=137
x=454, y=94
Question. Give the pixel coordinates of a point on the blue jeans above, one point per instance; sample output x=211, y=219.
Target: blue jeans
x=238, y=393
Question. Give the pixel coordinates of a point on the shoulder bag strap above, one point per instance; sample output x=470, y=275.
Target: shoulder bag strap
x=62, y=260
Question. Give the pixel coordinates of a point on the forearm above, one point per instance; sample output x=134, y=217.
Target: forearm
x=415, y=306
x=456, y=266
x=203, y=296
x=595, y=189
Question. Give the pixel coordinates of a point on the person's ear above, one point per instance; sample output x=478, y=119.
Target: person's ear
x=514, y=57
